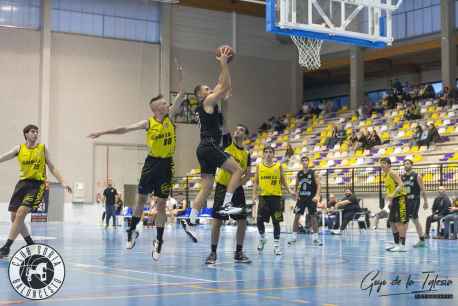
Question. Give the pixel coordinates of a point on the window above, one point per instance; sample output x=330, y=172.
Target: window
x=20, y=13
x=132, y=20
x=416, y=18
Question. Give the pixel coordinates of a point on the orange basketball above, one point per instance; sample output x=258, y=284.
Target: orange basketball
x=231, y=53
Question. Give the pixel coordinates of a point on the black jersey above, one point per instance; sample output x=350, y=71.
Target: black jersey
x=210, y=125
x=306, y=183
x=411, y=185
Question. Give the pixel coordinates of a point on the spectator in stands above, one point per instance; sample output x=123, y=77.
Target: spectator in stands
x=417, y=135
x=427, y=92
x=353, y=139
x=397, y=87
x=278, y=125
x=363, y=139
x=413, y=112
x=433, y=133
x=440, y=209
x=332, y=138
x=341, y=134
x=425, y=139
x=373, y=139
x=444, y=97
x=264, y=127
x=350, y=206
x=451, y=217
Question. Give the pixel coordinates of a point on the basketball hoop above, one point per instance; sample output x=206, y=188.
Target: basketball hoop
x=309, y=52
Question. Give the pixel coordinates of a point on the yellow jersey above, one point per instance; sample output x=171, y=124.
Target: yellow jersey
x=240, y=155
x=269, y=178
x=161, y=138
x=32, y=162
x=391, y=185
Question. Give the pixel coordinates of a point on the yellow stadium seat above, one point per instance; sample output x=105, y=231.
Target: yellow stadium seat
x=417, y=158
x=385, y=136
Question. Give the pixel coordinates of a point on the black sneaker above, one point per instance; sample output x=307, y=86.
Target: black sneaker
x=188, y=231
x=211, y=259
x=157, y=246
x=239, y=257
x=4, y=252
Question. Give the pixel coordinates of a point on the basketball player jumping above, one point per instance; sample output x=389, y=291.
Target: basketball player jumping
x=157, y=172
x=209, y=152
x=28, y=194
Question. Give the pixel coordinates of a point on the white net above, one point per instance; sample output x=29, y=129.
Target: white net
x=309, y=52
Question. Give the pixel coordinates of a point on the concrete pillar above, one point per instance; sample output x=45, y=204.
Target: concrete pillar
x=297, y=87
x=45, y=72
x=356, y=77
x=448, y=45
x=166, y=49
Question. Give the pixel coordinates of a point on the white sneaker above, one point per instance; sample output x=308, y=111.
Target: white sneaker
x=277, y=250
x=292, y=241
x=156, y=250
x=336, y=232
x=317, y=242
x=374, y=228
x=262, y=243
x=398, y=248
x=131, y=239
x=230, y=209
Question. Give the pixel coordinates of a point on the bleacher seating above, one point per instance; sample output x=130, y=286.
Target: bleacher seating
x=308, y=137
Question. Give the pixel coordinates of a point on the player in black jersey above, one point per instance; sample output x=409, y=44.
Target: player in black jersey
x=308, y=191
x=209, y=151
x=414, y=187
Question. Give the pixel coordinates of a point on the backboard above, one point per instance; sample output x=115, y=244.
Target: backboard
x=366, y=23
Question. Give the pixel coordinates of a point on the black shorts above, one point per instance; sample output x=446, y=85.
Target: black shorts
x=156, y=178
x=27, y=193
x=399, y=210
x=210, y=157
x=238, y=199
x=270, y=207
x=413, y=207
x=304, y=203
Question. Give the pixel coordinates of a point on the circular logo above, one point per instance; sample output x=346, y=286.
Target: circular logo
x=37, y=271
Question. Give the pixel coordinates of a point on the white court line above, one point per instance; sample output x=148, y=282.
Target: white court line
x=144, y=272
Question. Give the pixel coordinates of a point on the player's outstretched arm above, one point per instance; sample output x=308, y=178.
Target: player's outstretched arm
x=56, y=172
x=141, y=125
x=176, y=105
x=224, y=82
x=10, y=154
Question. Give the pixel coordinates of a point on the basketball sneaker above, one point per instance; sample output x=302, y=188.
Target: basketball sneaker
x=261, y=244
x=230, y=209
x=211, y=259
x=131, y=238
x=188, y=230
x=4, y=252
x=239, y=257
x=157, y=246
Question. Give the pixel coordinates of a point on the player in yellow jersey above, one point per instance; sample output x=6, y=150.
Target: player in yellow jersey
x=33, y=157
x=157, y=172
x=269, y=179
x=239, y=153
x=397, y=200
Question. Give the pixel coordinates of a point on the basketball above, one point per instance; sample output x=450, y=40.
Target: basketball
x=231, y=57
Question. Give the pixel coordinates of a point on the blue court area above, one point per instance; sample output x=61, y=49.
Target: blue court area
x=100, y=271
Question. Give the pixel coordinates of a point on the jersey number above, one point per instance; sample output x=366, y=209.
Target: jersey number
x=273, y=182
x=167, y=141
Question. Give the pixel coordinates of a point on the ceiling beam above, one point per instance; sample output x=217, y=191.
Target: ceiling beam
x=240, y=7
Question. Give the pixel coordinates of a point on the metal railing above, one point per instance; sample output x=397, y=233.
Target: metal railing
x=358, y=179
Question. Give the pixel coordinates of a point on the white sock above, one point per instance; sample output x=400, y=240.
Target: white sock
x=263, y=236
x=294, y=235
x=315, y=236
x=276, y=243
x=227, y=197
x=193, y=215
